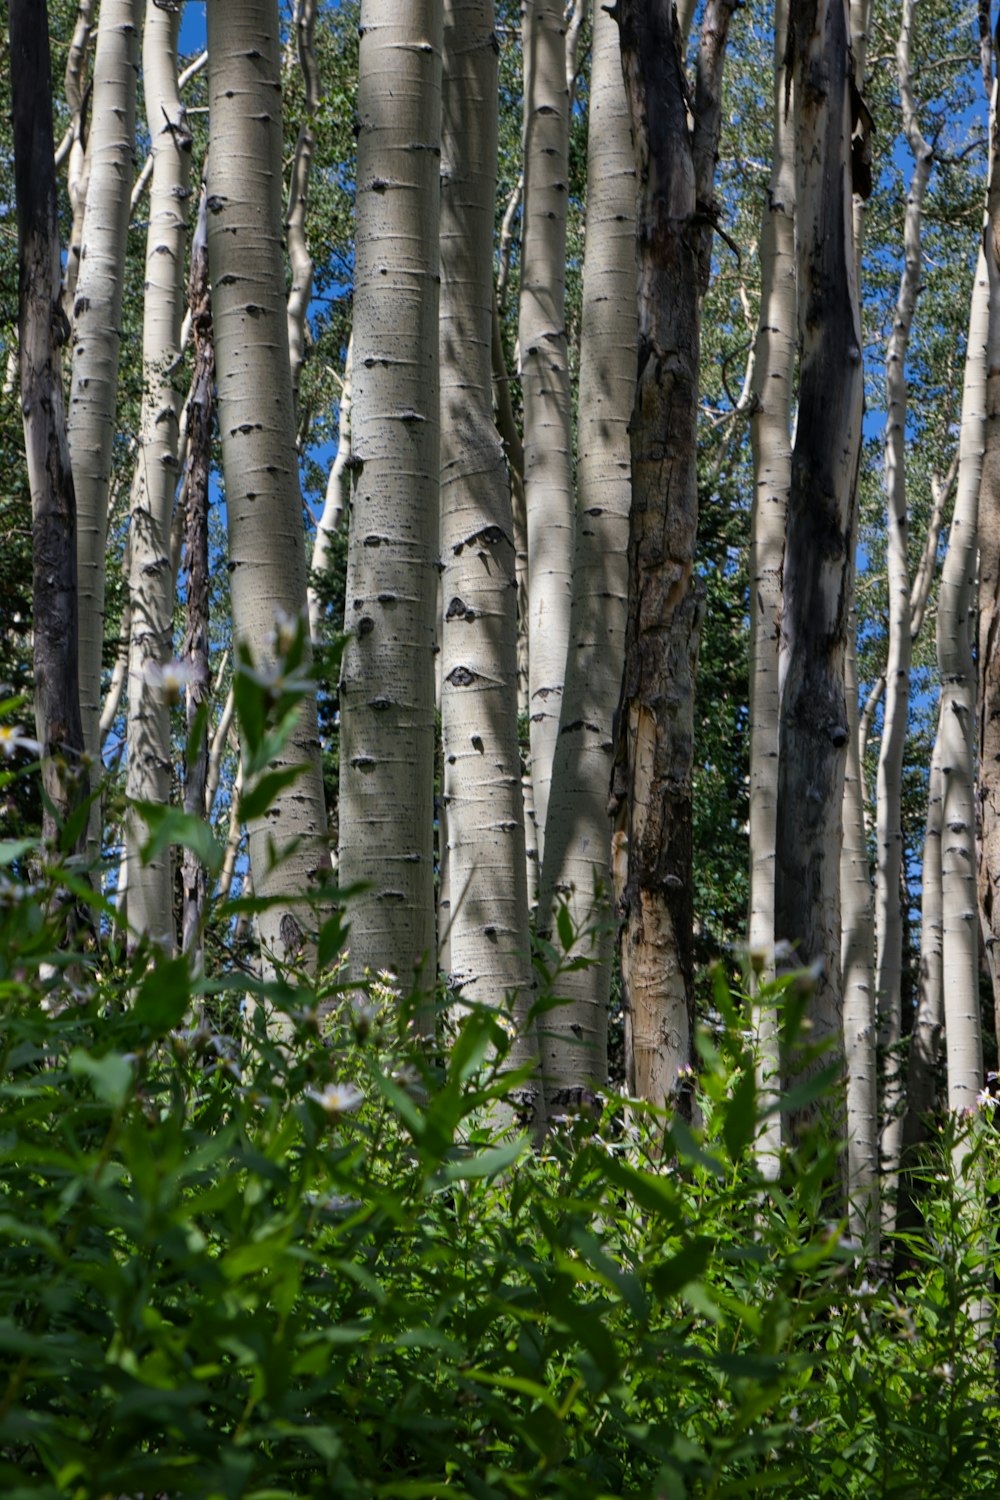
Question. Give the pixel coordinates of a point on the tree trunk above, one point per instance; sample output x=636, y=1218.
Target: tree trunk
x=78, y=100
x=267, y=564
x=304, y=22
x=334, y=508
x=770, y=436
x=41, y=330
x=488, y=922
x=387, y=675
x=889, y=834
x=97, y=312
x=577, y=864
x=196, y=556
x=956, y=602
x=989, y=609
x=545, y=386
x=818, y=552
x=151, y=577
x=858, y=960
x=651, y=787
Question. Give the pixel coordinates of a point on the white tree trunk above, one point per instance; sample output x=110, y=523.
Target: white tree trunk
x=151, y=577
x=304, y=22
x=858, y=960
x=545, y=385
x=959, y=900
x=577, y=864
x=256, y=419
x=489, y=944
x=770, y=436
x=889, y=834
x=97, y=310
x=387, y=675
x=334, y=507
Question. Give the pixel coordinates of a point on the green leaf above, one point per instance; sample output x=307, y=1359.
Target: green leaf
x=672, y=1276
x=741, y=1114
x=12, y=849
x=255, y=803
x=164, y=996
x=564, y=927
x=110, y=1076
x=170, y=825
x=486, y=1164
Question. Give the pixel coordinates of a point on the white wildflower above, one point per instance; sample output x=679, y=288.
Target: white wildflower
x=13, y=738
x=337, y=1098
x=169, y=679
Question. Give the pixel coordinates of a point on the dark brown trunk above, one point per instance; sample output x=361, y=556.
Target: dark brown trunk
x=42, y=329
x=651, y=783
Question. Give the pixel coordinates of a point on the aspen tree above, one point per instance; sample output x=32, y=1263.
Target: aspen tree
x=989, y=605
x=256, y=420
x=651, y=785
x=577, y=865
x=889, y=835
x=196, y=559
x=387, y=674
x=820, y=536
x=335, y=502
x=858, y=960
x=959, y=904
x=771, y=440
x=75, y=141
x=488, y=933
x=304, y=25
x=545, y=388
x=41, y=326
x=151, y=575
x=96, y=317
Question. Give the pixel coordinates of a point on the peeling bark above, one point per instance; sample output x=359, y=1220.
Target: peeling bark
x=651, y=786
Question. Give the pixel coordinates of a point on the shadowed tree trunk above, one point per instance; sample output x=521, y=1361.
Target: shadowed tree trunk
x=41, y=330
x=651, y=786
x=576, y=868
x=545, y=387
x=818, y=564
x=196, y=560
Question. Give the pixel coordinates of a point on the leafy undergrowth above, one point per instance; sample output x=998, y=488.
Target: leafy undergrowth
x=258, y=1267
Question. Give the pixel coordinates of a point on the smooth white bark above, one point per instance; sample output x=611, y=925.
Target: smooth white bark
x=387, y=675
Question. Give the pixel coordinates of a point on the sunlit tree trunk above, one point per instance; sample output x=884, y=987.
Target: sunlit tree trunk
x=151, y=576
x=989, y=606
x=77, y=162
x=304, y=23
x=335, y=501
x=96, y=317
x=545, y=386
x=387, y=678
x=651, y=787
x=267, y=562
x=818, y=565
x=956, y=602
x=41, y=330
x=858, y=960
x=577, y=865
x=889, y=835
x=771, y=439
